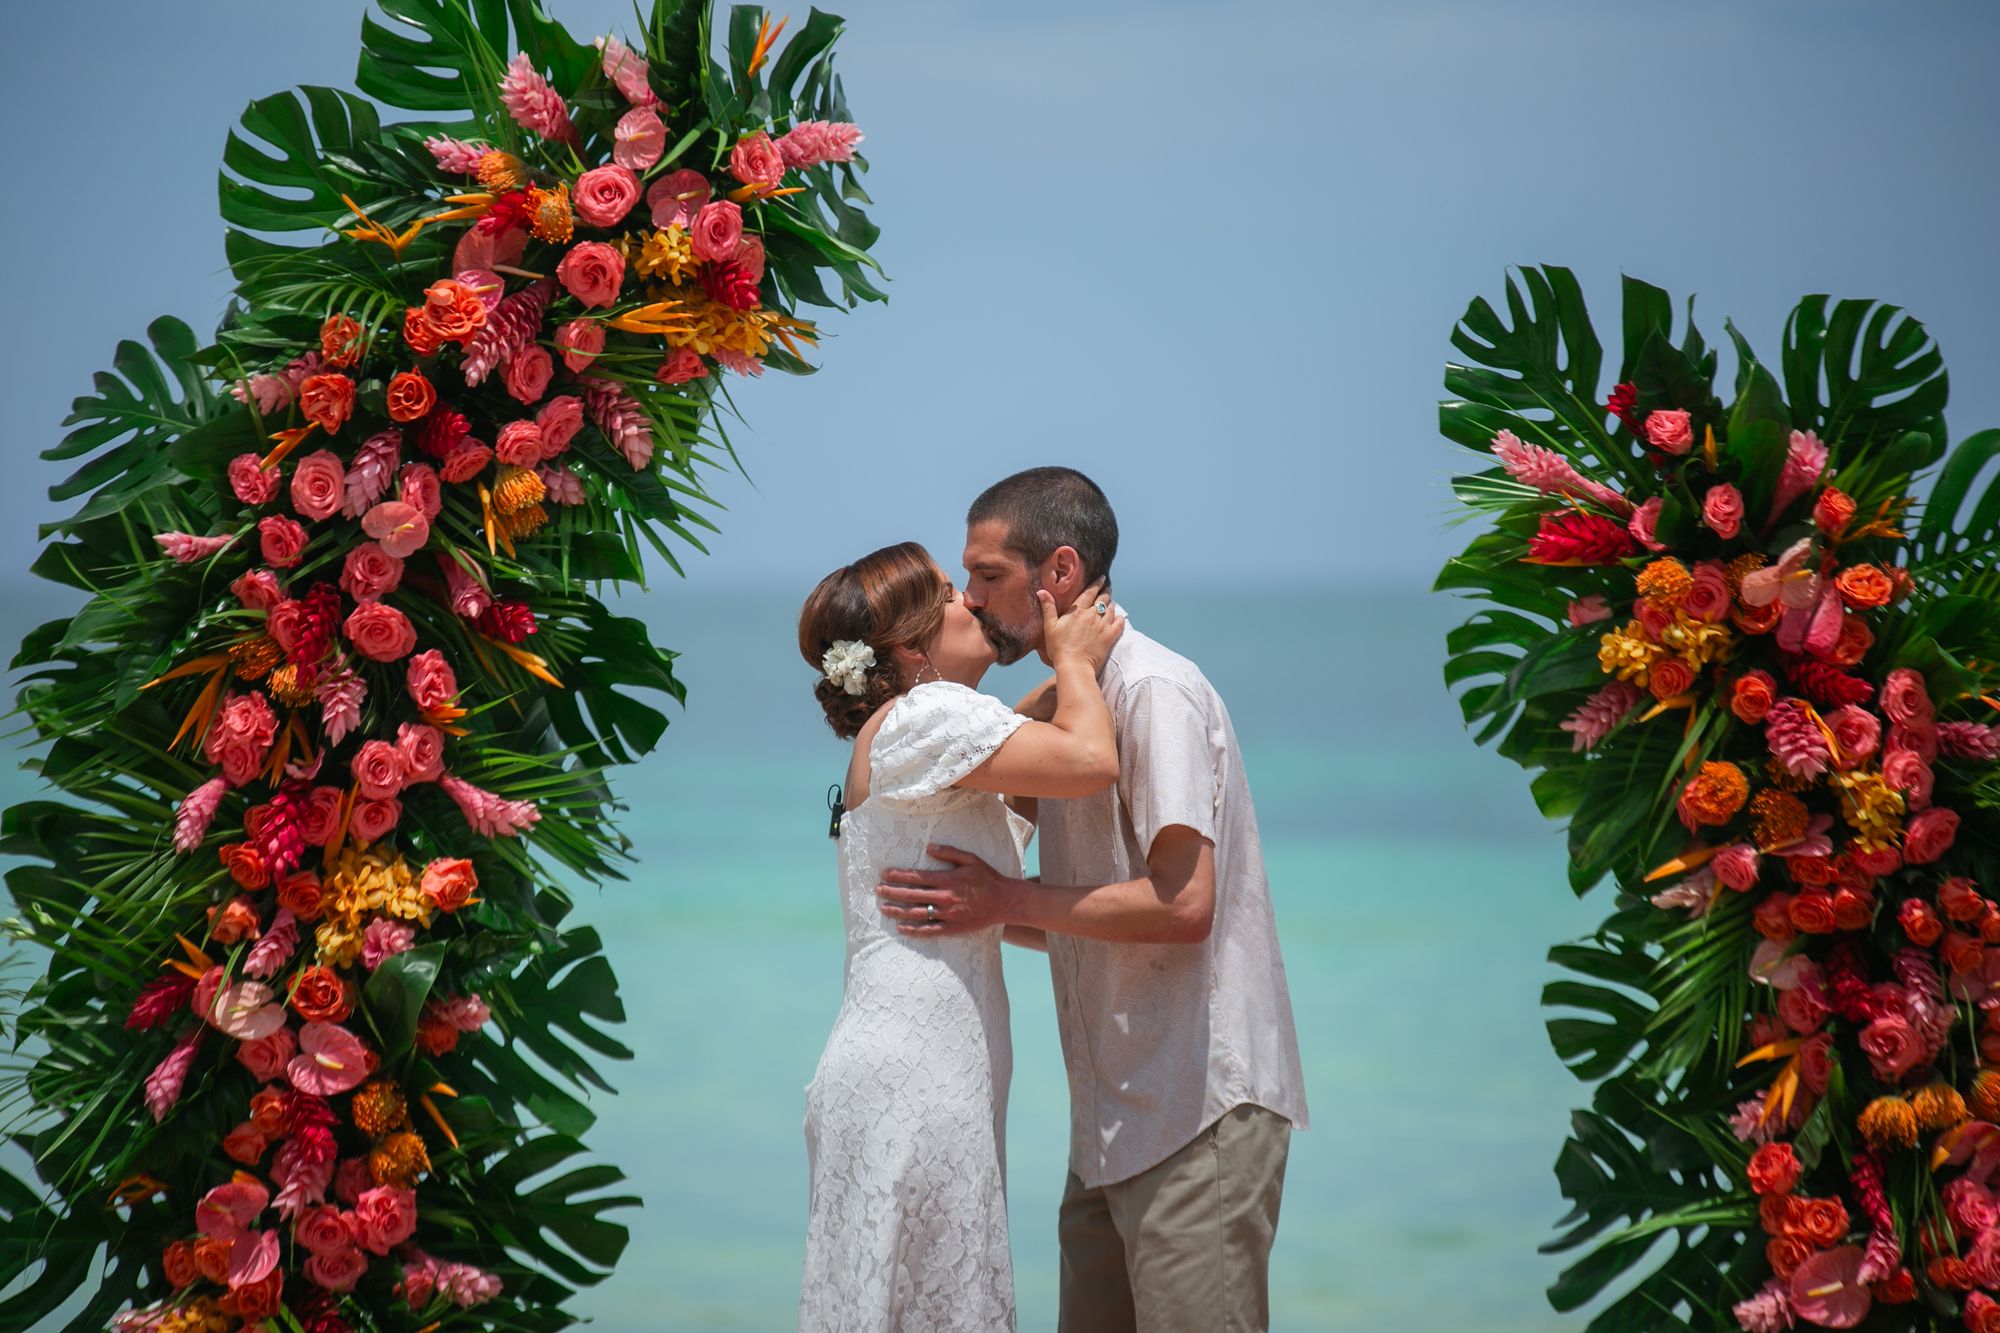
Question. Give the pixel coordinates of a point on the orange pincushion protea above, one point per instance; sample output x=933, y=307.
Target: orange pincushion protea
x=1985, y=1101
x=1939, y=1107
x=549, y=216
x=515, y=488
x=1741, y=565
x=1887, y=1123
x=379, y=1109
x=500, y=172
x=1777, y=818
x=400, y=1160
x=523, y=523
x=287, y=687
x=252, y=659
x=1665, y=581
x=1714, y=794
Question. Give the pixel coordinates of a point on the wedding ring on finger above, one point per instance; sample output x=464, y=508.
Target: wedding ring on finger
x=930, y=913
x=1103, y=608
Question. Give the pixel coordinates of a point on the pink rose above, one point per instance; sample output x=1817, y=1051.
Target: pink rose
x=717, y=231
x=1803, y=1008
x=379, y=632
x=401, y=528
x=593, y=272
x=528, y=373
x=421, y=750
x=757, y=161
x=384, y=1218
x=1929, y=835
x=638, y=140
x=1892, y=1047
x=1643, y=522
x=370, y=573
x=1736, y=866
x=559, y=421
x=682, y=364
x=1970, y=1206
x=1653, y=618
x=378, y=768
x=1919, y=738
x=431, y=682
x=336, y=1270
x=322, y=1230
x=580, y=341
x=1906, y=771
x=319, y=484
x=1722, y=510
x=750, y=257
x=519, y=443
x=1707, y=597
x=417, y=486
x=677, y=198
x=374, y=819
x=1856, y=732
x=253, y=483
x=240, y=738
x=281, y=539
x=322, y=815
x=258, y=590
x=267, y=1057
x=604, y=195
x=1671, y=430
x=384, y=939
x=1816, y=1063
x=1905, y=697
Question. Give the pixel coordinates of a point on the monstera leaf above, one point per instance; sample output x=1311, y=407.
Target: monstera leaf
x=1959, y=532
x=1863, y=374
x=451, y=54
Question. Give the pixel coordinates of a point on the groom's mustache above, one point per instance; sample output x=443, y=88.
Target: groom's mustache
x=1008, y=646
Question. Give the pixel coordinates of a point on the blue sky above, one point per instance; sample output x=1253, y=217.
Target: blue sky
x=1209, y=253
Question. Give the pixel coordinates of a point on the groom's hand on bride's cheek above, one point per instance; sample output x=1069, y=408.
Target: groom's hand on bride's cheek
x=967, y=894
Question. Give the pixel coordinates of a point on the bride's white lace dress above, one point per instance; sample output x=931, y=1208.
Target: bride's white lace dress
x=905, y=1118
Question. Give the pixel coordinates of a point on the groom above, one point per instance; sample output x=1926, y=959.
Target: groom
x=1176, y=1023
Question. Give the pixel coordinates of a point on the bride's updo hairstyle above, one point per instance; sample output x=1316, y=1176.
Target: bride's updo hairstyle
x=888, y=599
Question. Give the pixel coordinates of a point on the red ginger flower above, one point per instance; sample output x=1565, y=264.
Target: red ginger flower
x=509, y=621
x=440, y=433
x=1826, y=685
x=160, y=999
x=280, y=832
x=1624, y=404
x=731, y=284
x=1569, y=537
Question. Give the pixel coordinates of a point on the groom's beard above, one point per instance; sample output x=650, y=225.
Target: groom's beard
x=1008, y=646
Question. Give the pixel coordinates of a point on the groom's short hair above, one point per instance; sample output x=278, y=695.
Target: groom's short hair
x=1047, y=507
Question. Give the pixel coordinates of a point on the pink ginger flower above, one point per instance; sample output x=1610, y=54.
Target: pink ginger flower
x=373, y=468
x=466, y=1286
x=456, y=155
x=1794, y=741
x=491, y=816
x=731, y=359
x=812, y=142
x=627, y=71
x=510, y=326
x=383, y=940
x=1768, y=1311
x=1969, y=740
x=469, y=597
x=467, y=1013
x=1596, y=716
x=1588, y=610
x=196, y=813
x=340, y=692
x=1694, y=893
x=164, y=1084
x=561, y=486
x=618, y=415
x=1805, y=460
x=280, y=941
x=1552, y=474
x=302, y=1181
x=186, y=549
x=533, y=104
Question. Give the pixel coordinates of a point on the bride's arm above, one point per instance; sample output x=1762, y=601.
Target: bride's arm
x=1075, y=753
x=1038, y=705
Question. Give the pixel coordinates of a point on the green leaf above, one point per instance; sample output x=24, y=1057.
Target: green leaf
x=395, y=994
x=1861, y=373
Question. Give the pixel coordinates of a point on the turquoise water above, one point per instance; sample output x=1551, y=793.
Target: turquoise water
x=1416, y=889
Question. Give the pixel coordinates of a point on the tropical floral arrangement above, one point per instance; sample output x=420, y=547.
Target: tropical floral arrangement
x=330, y=733
x=1756, y=673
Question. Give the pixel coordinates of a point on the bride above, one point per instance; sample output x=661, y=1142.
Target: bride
x=905, y=1117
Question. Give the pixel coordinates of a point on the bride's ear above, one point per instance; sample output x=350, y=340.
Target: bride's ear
x=907, y=661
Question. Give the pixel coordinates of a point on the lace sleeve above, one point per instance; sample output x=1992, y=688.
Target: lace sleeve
x=935, y=735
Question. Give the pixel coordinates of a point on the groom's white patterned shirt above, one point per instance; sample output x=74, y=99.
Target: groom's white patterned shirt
x=1161, y=1040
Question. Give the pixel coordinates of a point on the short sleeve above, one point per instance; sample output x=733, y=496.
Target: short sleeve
x=935, y=735
x=1166, y=765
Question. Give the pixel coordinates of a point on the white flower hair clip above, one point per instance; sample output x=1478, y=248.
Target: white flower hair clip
x=846, y=664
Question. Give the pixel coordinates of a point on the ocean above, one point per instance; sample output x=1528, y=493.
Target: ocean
x=1416, y=887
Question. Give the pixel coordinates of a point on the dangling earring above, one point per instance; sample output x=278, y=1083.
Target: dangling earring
x=935, y=673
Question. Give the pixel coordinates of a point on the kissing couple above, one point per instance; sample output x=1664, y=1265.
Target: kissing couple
x=1152, y=905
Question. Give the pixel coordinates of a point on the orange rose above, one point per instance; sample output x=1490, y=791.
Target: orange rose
x=1864, y=586
x=211, y=1259
x=1921, y=924
x=1773, y=917
x=1786, y=1253
x=177, y=1262
x=300, y=895
x=1855, y=641
x=1824, y=1222
x=234, y=920
x=410, y=396
x=1812, y=872
x=1853, y=910
x=1899, y=1288
x=256, y=1300
x=454, y=310
x=246, y=865
x=1949, y=1271
x=327, y=401
x=267, y=1112
x=1959, y=897
x=1758, y=619
x=1772, y=1210
x=244, y=1144
x=418, y=333
x=321, y=996
x=449, y=882
x=1752, y=695
x=1813, y=913
x=339, y=341
x=1962, y=953
x=1832, y=511
x=1670, y=677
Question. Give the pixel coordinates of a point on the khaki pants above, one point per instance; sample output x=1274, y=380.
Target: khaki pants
x=1184, y=1247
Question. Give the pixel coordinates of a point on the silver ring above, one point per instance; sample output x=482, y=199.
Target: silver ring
x=930, y=910
x=1103, y=608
